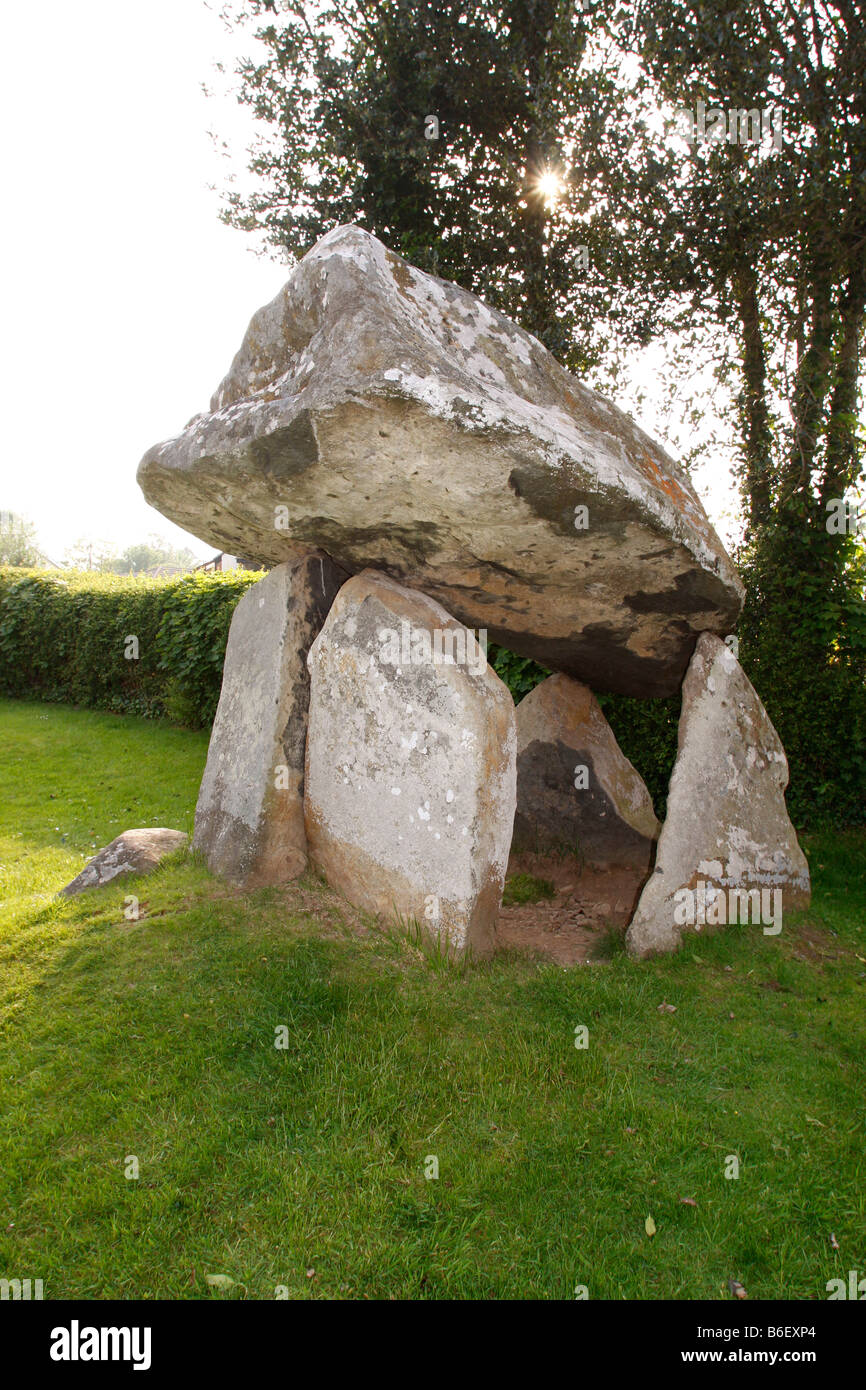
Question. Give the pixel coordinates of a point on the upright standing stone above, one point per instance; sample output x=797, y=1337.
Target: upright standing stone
x=410, y=786
x=576, y=789
x=728, y=852
x=249, y=821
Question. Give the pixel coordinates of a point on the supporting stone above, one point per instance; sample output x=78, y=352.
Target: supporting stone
x=728, y=853
x=249, y=821
x=576, y=790
x=410, y=786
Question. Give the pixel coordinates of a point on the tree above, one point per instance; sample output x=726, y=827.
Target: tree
x=88, y=554
x=153, y=553
x=767, y=241
x=767, y=245
x=17, y=540
x=752, y=250
x=441, y=127
x=769, y=237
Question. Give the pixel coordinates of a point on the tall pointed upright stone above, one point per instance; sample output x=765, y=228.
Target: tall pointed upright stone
x=727, y=850
x=410, y=782
x=249, y=821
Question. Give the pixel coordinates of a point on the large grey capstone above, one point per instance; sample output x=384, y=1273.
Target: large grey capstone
x=133, y=852
x=410, y=784
x=727, y=853
x=576, y=789
x=396, y=422
x=249, y=820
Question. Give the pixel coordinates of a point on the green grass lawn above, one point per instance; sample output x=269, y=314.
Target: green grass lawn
x=304, y=1166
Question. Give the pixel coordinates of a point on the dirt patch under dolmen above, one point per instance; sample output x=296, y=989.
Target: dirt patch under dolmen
x=589, y=906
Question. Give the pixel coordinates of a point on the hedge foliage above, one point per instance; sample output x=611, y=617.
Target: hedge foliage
x=65, y=637
x=803, y=646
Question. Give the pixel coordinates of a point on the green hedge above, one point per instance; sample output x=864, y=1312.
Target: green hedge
x=803, y=646
x=64, y=638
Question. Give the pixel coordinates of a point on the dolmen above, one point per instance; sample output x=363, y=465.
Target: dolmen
x=419, y=476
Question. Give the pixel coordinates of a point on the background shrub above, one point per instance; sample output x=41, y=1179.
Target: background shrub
x=63, y=637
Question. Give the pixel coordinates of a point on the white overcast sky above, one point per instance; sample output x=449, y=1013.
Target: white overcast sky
x=126, y=297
